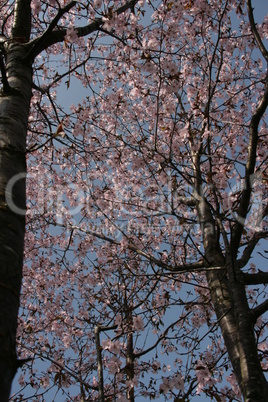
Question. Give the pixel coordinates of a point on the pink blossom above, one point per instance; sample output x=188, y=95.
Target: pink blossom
x=232, y=380
x=36, y=7
x=204, y=377
x=113, y=365
x=112, y=346
x=138, y=323
x=71, y=35
x=178, y=382
x=97, y=3
x=164, y=386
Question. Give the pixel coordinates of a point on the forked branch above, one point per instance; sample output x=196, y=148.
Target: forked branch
x=38, y=43
x=247, y=253
x=250, y=166
x=51, y=36
x=253, y=140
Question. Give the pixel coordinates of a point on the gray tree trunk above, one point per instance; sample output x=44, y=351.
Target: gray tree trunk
x=237, y=328
x=228, y=295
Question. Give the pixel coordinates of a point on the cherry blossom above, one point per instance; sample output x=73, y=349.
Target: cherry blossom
x=146, y=197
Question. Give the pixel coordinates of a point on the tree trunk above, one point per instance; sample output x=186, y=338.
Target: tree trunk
x=235, y=320
x=14, y=109
x=229, y=298
x=130, y=365
x=101, y=397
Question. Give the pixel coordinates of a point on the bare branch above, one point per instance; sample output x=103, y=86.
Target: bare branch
x=162, y=336
x=255, y=32
x=259, y=310
x=256, y=279
x=242, y=262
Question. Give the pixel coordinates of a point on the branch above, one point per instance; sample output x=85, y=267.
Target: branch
x=99, y=363
x=67, y=370
x=162, y=336
x=38, y=43
x=255, y=32
x=86, y=30
x=253, y=139
x=242, y=262
x=21, y=362
x=182, y=268
x=250, y=168
x=190, y=202
x=50, y=37
x=256, y=279
x=259, y=310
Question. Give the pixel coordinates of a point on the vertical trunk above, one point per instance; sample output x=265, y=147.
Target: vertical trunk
x=230, y=303
x=130, y=365
x=229, y=298
x=14, y=110
x=129, y=369
x=223, y=304
x=99, y=362
x=251, y=380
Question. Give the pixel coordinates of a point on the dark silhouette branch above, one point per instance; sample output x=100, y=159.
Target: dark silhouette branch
x=38, y=45
x=137, y=355
x=259, y=310
x=242, y=262
x=67, y=370
x=99, y=363
x=250, y=168
x=253, y=140
x=255, y=32
x=256, y=279
x=21, y=362
x=50, y=36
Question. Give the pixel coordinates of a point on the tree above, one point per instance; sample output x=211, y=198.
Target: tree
x=146, y=200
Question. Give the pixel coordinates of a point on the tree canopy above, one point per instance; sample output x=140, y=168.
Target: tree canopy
x=144, y=131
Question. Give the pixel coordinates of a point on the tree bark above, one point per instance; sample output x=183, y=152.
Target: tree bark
x=101, y=397
x=130, y=365
x=228, y=294
x=14, y=111
x=237, y=328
